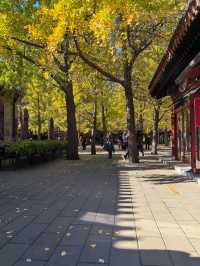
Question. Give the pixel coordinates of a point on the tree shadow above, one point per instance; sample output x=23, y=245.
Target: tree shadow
x=162, y=180
x=96, y=204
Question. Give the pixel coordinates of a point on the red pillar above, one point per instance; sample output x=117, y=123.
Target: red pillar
x=174, y=134
x=193, y=134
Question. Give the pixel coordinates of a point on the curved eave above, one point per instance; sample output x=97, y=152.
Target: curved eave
x=183, y=47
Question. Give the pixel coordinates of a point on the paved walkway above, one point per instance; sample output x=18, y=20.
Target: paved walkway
x=96, y=211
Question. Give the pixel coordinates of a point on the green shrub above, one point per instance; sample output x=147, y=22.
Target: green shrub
x=31, y=148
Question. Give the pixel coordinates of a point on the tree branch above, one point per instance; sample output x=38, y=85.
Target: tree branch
x=90, y=63
x=59, y=64
x=144, y=47
x=29, y=43
x=19, y=53
x=164, y=113
x=59, y=81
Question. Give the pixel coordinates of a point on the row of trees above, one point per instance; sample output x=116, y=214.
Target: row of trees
x=83, y=48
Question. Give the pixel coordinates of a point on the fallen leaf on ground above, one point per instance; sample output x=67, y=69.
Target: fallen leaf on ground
x=93, y=245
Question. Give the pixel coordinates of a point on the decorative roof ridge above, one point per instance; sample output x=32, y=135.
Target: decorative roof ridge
x=183, y=25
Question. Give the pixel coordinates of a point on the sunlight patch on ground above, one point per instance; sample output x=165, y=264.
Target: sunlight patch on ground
x=125, y=244
x=101, y=218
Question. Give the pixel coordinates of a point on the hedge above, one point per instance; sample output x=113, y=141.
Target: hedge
x=30, y=149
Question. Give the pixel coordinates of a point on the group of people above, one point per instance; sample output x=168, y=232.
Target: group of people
x=122, y=141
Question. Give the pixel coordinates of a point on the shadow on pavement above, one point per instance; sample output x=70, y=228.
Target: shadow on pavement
x=83, y=214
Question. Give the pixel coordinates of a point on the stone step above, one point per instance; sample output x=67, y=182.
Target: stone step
x=183, y=169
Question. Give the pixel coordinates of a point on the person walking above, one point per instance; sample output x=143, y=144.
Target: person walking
x=126, y=155
x=109, y=147
x=147, y=141
x=140, y=142
x=83, y=141
x=125, y=141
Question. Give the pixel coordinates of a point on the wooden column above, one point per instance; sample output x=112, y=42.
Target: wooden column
x=174, y=134
x=183, y=135
x=193, y=134
x=196, y=133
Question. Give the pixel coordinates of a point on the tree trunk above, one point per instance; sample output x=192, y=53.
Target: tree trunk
x=104, y=126
x=72, y=134
x=155, y=132
x=94, y=128
x=166, y=138
x=21, y=122
x=25, y=124
x=14, y=122
x=132, y=134
x=39, y=118
x=141, y=121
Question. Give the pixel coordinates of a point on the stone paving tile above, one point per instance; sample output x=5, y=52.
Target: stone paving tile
x=129, y=221
x=103, y=218
x=155, y=258
x=65, y=256
x=185, y=259
x=60, y=204
x=196, y=244
x=96, y=250
x=191, y=229
x=151, y=243
x=47, y=216
x=99, y=229
x=147, y=228
x=59, y=225
x=76, y=235
x=126, y=257
x=32, y=208
x=10, y=253
x=91, y=206
x=92, y=264
x=18, y=224
x=6, y=208
x=87, y=218
x=8, y=217
x=29, y=263
x=178, y=243
x=4, y=238
x=29, y=234
x=68, y=212
x=43, y=247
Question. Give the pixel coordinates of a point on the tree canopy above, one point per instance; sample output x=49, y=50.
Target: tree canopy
x=66, y=53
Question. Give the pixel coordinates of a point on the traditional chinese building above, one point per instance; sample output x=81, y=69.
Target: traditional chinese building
x=178, y=76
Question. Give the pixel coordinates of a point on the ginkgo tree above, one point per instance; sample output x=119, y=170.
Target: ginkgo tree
x=44, y=101
x=108, y=36
x=48, y=50
x=114, y=34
